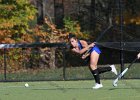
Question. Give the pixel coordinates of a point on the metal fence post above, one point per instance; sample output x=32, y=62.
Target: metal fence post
x=5, y=64
x=64, y=64
x=121, y=7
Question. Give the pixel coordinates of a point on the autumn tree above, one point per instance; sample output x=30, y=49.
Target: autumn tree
x=15, y=19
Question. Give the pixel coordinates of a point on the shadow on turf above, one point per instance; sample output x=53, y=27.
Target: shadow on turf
x=61, y=88
x=116, y=88
x=64, y=89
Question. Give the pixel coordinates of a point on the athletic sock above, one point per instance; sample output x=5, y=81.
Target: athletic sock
x=103, y=69
x=95, y=73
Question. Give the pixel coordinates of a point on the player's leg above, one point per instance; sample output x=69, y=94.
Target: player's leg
x=93, y=66
x=107, y=68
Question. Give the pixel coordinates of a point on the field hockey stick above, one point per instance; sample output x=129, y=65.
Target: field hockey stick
x=123, y=72
x=102, y=33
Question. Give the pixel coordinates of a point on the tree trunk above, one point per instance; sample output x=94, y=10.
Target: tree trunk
x=52, y=58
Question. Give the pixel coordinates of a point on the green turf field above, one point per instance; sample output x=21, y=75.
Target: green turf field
x=70, y=90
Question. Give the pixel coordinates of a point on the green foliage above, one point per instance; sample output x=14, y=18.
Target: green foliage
x=74, y=27
x=70, y=25
x=15, y=16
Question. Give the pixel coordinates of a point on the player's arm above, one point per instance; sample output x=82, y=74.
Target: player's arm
x=85, y=46
x=87, y=53
x=138, y=56
x=76, y=50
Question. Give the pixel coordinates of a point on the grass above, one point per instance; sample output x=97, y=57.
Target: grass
x=70, y=90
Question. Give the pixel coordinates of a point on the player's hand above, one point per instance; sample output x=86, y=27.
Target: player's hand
x=138, y=56
x=85, y=56
x=91, y=45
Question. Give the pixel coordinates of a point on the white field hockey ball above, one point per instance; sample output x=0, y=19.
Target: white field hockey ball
x=26, y=85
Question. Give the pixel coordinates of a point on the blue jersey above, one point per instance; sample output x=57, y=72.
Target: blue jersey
x=95, y=48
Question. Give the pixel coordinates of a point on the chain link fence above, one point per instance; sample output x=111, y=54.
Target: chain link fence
x=56, y=62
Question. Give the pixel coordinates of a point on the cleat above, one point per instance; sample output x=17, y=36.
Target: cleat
x=97, y=86
x=114, y=69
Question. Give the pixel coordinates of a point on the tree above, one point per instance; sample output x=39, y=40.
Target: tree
x=15, y=19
